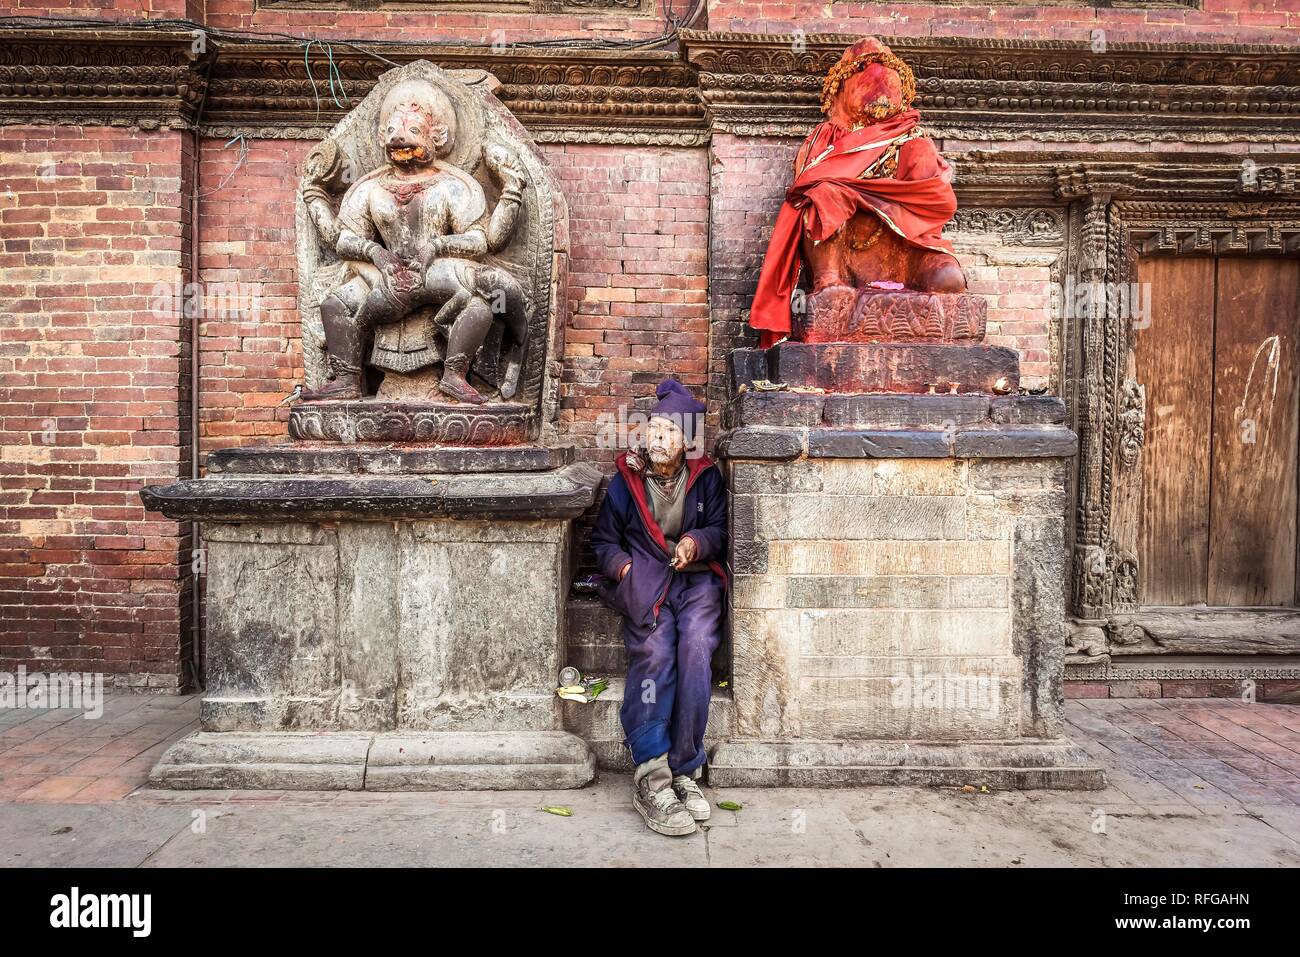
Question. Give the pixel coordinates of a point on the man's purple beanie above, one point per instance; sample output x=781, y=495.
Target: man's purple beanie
x=674, y=400
x=678, y=406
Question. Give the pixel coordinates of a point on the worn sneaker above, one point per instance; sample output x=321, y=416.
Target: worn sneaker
x=653, y=796
x=692, y=798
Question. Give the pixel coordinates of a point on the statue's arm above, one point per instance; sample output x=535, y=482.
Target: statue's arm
x=920, y=159
x=357, y=233
x=508, y=173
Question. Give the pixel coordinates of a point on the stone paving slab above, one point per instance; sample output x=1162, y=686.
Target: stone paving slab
x=1191, y=783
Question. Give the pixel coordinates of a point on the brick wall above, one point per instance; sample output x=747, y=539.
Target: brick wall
x=1217, y=21
x=638, y=287
x=1239, y=21
x=749, y=176
x=396, y=23
x=93, y=370
x=250, y=346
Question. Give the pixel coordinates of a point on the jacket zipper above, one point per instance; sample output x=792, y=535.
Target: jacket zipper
x=659, y=604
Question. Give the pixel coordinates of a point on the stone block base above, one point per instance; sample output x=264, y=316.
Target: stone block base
x=897, y=604
x=442, y=761
x=844, y=314
x=994, y=764
x=906, y=367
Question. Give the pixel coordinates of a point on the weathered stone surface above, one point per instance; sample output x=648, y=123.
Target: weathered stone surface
x=330, y=761
x=595, y=638
x=904, y=632
x=1020, y=425
x=1029, y=410
x=896, y=411
x=888, y=558
x=559, y=493
x=906, y=599
x=847, y=517
x=477, y=643
x=1001, y=764
x=295, y=762
x=445, y=632
x=761, y=443
x=873, y=443
x=753, y=407
x=273, y=633
x=895, y=367
x=479, y=761
x=948, y=440
x=1016, y=443
x=970, y=707
x=744, y=366
x=303, y=458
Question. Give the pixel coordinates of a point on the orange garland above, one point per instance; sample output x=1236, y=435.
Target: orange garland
x=840, y=73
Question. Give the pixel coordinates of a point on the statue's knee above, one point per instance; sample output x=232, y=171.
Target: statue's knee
x=332, y=308
x=945, y=276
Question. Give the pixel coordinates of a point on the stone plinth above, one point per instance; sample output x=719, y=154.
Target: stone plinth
x=845, y=314
x=444, y=423
x=395, y=631
x=898, y=607
x=895, y=367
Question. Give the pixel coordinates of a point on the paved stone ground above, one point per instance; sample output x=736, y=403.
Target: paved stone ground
x=1192, y=783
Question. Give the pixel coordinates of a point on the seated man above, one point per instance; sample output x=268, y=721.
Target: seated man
x=660, y=539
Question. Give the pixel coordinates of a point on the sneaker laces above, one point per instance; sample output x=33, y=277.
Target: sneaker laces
x=665, y=800
x=688, y=785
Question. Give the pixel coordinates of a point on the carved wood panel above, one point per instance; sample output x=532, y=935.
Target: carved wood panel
x=1116, y=220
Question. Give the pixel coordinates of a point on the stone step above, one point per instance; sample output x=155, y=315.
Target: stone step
x=597, y=723
x=595, y=637
x=1005, y=765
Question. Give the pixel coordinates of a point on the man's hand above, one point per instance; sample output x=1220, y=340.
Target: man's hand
x=686, y=552
x=623, y=572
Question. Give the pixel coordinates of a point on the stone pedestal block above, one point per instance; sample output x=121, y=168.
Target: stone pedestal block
x=903, y=367
x=383, y=632
x=898, y=608
x=845, y=314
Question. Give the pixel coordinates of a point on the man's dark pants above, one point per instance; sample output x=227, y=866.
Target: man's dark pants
x=669, y=678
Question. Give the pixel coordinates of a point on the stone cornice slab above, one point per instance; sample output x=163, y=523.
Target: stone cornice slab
x=108, y=77
x=973, y=89
x=262, y=89
x=993, y=89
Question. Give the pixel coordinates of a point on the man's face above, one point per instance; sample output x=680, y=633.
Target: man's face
x=664, y=441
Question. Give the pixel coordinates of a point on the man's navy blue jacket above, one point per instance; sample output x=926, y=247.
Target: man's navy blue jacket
x=626, y=531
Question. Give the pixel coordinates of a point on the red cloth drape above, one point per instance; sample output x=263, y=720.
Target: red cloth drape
x=827, y=193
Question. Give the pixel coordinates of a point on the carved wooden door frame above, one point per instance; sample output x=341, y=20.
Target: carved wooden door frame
x=1118, y=217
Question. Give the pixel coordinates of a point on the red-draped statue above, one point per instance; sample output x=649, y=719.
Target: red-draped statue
x=864, y=217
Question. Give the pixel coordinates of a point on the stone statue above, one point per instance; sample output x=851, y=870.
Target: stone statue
x=433, y=275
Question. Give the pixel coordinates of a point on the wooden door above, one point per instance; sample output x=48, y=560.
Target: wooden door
x=1219, y=363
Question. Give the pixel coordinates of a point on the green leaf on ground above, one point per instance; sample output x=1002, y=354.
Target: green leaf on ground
x=730, y=805
x=559, y=810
